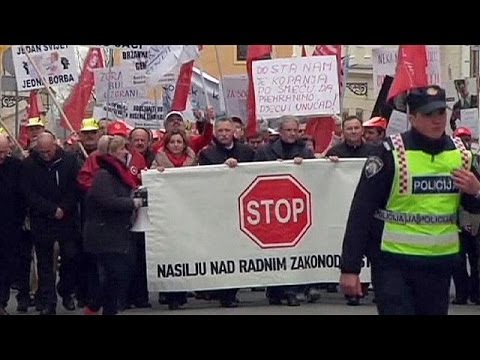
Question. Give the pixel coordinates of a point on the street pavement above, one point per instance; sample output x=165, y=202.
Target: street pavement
x=255, y=303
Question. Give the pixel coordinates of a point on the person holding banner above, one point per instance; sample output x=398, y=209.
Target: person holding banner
x=287, y=147
x=403, y=215
x=176, y=153
x=229, y=151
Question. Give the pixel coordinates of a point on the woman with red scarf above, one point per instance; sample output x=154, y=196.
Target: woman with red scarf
x=176, y=153
x=109, y=208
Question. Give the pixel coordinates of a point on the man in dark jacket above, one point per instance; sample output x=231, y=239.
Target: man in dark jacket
x=49, y=185
x=230, y=151
x=353, y=145
x=287, y=147
x=12, y=213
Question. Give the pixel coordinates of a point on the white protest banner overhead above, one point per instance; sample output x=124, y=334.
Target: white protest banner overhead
x=296, y=86
x=274, y=224
x=384, y=62
x=235, y=88
x=162, y=60
x=136, y=113
x=57, y=63
x=119, y=83
x=137, y=57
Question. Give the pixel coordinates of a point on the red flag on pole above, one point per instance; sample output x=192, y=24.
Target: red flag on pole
x=322, y=128
x=76, y=104
x=184, y=82
x=254, y=52
x=411, y=71
x=182, y=89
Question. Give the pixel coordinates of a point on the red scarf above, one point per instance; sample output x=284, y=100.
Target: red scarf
x=177, y=161
x=112, y=164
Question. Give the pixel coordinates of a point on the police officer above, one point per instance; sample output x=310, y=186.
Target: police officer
x=404, y=213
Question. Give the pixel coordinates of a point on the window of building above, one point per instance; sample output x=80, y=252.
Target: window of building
x=241, y=52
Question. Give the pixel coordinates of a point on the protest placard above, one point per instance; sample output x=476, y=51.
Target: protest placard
x=119, y=83
x=235, y=88
x=57, y=63
x=397, y=124
x=384, y=62
x=296, y=86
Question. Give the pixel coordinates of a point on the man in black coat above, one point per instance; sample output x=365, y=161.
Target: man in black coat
x=287, y=147
x=49, y=185
x=230, y=151
x=12, y=214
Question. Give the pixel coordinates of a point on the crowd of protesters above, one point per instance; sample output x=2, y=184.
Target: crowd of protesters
x=69, y=206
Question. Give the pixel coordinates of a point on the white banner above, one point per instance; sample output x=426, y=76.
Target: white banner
x=136, y=113
x=236, y=88
x=121, y=82
x=296, y=86
x=259, y=224
x=384, y=61
x=162, y=60
x=137, y=56
x=57, y=63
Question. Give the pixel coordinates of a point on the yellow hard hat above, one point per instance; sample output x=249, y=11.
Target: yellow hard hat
x=90, y=124
x=35, y=121
x=3, y=131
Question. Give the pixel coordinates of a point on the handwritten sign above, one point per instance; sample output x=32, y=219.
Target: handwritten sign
x=384, y=61
x=119, y=83
x=235, y=89
x=296, y=86
x=57, y=63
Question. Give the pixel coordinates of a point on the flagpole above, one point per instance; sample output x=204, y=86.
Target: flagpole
x=45, y=82
x=110, y=63
x=220, y=72
x=199, y=63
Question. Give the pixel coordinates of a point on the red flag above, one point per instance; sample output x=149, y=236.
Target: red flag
x=76, y=104
x=254, y=52
x=182, y=89
x=411, y=71
x=184, y=83
x=321, y=128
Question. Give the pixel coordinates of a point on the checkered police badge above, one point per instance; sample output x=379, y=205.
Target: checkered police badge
x=373, y=166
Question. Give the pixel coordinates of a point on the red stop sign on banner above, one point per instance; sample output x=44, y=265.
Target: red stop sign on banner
x=275, y=211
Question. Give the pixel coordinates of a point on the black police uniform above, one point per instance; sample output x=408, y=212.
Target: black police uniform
x=403, y=284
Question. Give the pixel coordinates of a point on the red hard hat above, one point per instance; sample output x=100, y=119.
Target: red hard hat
x=118, y=128
x=377, y=121
x=462, y=131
